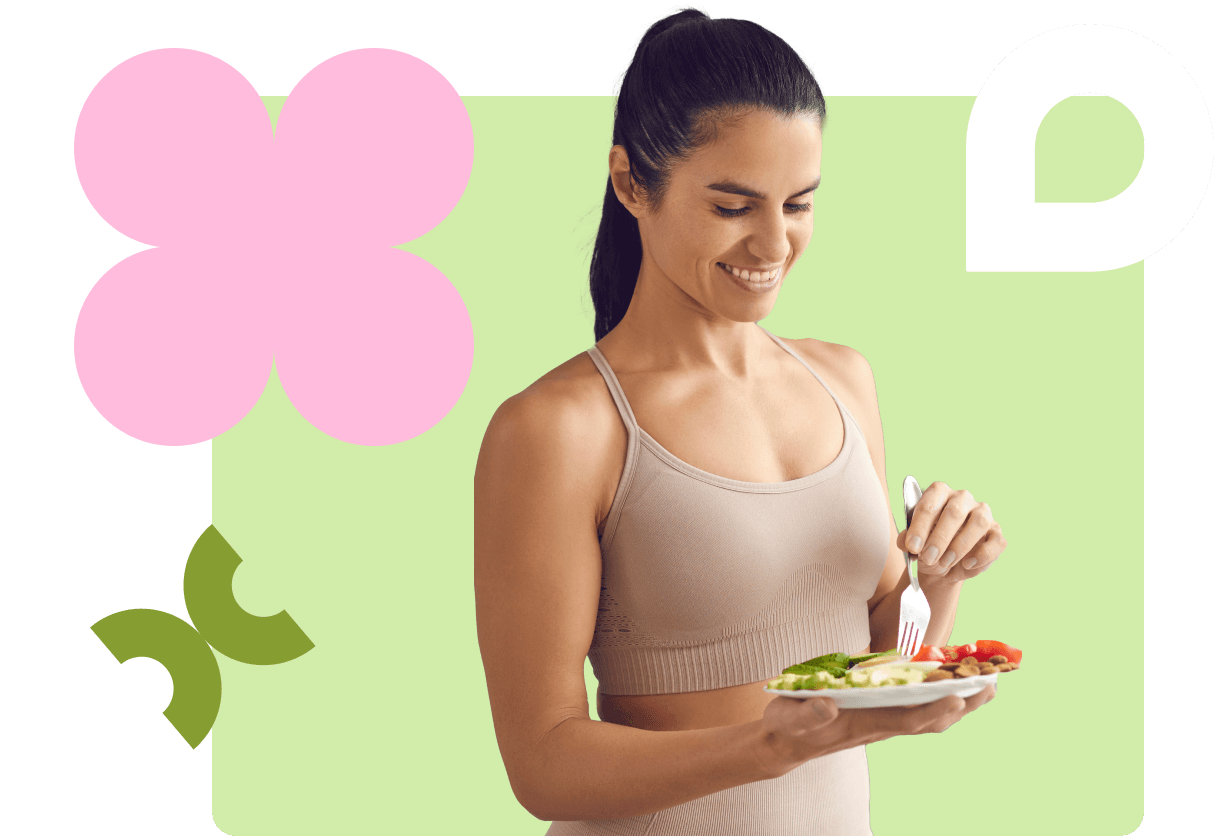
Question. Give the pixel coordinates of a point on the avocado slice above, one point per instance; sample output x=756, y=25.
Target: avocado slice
x=829, y=660
x=855, y=660
x=834, y=663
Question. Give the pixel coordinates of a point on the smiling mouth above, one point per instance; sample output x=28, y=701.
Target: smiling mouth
x=752, y=277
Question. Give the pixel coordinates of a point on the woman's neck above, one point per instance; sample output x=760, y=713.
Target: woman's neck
x=664, y=328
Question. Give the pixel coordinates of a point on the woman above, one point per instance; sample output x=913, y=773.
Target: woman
x=695, y=503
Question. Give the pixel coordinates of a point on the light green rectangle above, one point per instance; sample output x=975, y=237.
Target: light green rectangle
x=1025, y=388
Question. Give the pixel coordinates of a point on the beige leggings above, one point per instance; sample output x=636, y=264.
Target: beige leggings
x=826, y=796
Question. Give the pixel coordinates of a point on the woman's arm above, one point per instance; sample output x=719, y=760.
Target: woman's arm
x=537, y=576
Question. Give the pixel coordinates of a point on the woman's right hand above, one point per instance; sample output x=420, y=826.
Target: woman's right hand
x=795, y=730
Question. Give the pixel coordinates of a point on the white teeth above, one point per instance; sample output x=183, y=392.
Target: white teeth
x=747, y=275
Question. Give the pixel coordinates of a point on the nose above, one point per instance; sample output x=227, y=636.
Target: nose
x=771, y=237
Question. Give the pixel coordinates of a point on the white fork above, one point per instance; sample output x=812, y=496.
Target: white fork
x=915, y=613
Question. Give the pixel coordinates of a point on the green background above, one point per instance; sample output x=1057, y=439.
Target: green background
x=1025, y=388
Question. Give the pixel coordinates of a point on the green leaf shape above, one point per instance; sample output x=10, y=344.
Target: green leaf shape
x=183, y=653
x=237, y=634
x=833, y=663
x=1088, y=149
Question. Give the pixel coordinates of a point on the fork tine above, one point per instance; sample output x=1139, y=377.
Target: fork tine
x=914, y=616
x=915, y=612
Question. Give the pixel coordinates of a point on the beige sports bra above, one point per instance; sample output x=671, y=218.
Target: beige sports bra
x=710, y=582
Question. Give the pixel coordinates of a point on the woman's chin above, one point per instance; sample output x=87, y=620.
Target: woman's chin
x=755, y=309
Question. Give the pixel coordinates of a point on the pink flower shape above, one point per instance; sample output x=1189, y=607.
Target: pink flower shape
x=273, y=246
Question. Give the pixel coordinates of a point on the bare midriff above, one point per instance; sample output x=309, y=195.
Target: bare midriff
x=693, y=710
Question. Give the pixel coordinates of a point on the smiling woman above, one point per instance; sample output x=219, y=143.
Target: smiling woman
x=738, y=233
x=695, y=504
x=693, y=83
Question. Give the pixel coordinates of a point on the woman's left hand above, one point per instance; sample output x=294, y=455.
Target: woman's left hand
x=954, y=536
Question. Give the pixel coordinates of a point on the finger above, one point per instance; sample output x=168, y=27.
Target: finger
x=981, y=698
x=958, y=709
x=952, y=517
x=939, y=715
x=883, y=723
x=798, y=715
x=979, y=558
x=821, y=711
x=976, y=527
x=900, y=542
x=927, y=511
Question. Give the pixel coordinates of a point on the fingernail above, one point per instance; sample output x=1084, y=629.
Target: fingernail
x=969, y=562
x=930, y=554
x=949, y=558
x=820, y=709
x=915, y=543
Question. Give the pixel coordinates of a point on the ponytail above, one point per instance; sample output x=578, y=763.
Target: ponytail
x=614, y=265
x=687, y=70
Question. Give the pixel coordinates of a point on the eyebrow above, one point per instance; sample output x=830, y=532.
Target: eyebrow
x=730, y=187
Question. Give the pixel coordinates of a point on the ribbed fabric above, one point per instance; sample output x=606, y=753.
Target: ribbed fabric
x=738, y=659
x=826, y=796
x=710, y=582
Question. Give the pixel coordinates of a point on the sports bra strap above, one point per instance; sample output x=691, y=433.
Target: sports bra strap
x=617, y=391
x=633, y=450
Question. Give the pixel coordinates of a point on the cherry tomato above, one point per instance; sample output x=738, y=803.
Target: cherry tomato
x=927, y=653
x=989, y=648
x=958, y=652
x=981, y=650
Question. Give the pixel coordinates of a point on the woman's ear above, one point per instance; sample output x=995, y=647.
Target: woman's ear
x=626, y=190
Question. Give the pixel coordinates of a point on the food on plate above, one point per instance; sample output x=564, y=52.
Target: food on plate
x=928, y=653
x=995, y=648
x=888, y=668
x=834, y=663
x=981, y=650
x=883, y=659
x=867, y=676
x=867, y=658
x=970, y=666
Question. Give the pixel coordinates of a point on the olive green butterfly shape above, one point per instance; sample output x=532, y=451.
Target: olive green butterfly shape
x=219, y=623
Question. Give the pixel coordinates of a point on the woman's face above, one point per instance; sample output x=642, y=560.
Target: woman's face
x=744, y=202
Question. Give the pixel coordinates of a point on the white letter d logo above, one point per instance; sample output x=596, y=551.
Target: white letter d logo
x=1006, y=231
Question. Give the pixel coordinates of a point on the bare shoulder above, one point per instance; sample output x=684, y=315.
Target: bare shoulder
x=566, y=405
x=562, y=430
x=843, y=368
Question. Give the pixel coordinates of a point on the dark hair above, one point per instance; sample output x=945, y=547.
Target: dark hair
x=689, y=71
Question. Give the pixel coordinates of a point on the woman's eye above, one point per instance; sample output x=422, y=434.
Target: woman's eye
x=795, y=208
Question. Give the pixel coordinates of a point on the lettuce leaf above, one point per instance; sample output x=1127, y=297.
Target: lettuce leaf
x=834, y=663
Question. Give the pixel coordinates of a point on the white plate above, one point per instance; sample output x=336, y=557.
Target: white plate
x=888, y=696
